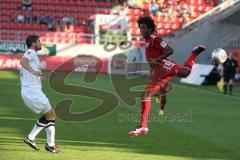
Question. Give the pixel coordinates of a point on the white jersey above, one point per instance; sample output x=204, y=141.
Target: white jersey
x=28, y=80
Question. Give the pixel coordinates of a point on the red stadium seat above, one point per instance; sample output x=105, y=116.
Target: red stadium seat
x=66, y=40
x=12, y=25
x=57, y=8
x=138, y=12
x=4, y=37
x=4, y=25
x=50, y=39
x=167, y=25
x=4, y=6
x=108, y=4
x=160, y=25
x=4, y=18
x=59, y=40
x=4, y=33
x=176, y=26
x=162, y=32
x=11, y=38
x=43, y=27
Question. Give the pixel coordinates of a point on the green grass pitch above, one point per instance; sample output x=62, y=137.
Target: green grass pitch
x=211, y=130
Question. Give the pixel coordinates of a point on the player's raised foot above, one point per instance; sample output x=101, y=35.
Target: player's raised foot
x=53, y=149
x=31, y=143
x=199, y=49
x=138, y=131
x=161, y=112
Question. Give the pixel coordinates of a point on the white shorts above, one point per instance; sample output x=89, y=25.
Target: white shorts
x=35, y=100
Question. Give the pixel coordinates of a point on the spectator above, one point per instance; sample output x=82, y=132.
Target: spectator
x=20, y=18
x=43, y=19
x=120, y=8
x=58, y=26
x=27, y=5
x=70, y=20
x=186, y=18
x=35, y=19
x=154, y=8
x=64, y=20
x=69, y=28
x=51, y=23
x=27, y=19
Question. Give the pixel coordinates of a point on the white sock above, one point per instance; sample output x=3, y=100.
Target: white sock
x=36, y=129
x=50, y=135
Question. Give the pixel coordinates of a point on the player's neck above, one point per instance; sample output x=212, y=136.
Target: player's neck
x=146, y=37
x=33, y=49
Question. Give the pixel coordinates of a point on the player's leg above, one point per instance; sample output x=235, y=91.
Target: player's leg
x=28, y=96
x=30, y=139
x=152, y=88
x=231, y=84
x=50, y=117
x=184, y=71
x=161, y=99
x=42, y=122
x=225, y=87
x=145, y=109
x=226, y=80
x=163, y=104
x=37, y=101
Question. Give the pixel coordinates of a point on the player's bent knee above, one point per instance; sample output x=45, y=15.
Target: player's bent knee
x=50, y=115
x=184, y=72
x=43, y=122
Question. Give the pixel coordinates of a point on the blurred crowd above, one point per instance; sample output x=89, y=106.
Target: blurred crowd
x=171, y=8
x=24, y=15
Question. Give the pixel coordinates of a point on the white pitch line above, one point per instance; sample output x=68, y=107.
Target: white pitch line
x=59, y=140
x=17, y=118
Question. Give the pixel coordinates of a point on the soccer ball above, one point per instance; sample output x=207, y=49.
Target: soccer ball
x=219, y=55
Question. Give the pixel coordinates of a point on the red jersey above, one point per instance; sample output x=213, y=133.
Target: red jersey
x=154, y=46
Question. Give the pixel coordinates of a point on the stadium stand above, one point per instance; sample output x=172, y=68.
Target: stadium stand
x=65, y=21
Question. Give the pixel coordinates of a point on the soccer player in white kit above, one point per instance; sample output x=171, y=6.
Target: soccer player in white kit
x=34, y=98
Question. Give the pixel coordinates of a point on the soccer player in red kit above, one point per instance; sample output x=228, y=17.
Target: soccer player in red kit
x=162, y=69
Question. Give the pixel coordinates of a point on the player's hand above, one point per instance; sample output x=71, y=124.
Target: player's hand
x=37, y=73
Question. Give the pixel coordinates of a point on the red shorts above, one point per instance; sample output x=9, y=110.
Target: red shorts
x=162, y=74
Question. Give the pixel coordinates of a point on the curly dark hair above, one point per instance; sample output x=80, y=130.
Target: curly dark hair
x=148, y=21
x=31, y=39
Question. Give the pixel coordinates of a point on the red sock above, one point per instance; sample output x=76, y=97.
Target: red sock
x=190, y=61
x=146, y=106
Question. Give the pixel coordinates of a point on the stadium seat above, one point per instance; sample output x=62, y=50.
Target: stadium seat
x=162, y=32
x=4, y=37
x=4, y=18
x=4, y=33
x=81, y=9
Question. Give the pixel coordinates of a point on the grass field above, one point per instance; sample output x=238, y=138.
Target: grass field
x=211, y=131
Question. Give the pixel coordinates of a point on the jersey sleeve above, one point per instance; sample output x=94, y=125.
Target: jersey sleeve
x=29, y=55
x=159, y=43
